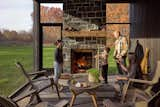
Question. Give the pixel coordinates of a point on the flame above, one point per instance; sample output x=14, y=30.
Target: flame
x=82, y=61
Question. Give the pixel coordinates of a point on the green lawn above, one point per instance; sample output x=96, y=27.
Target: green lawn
x=112, y=69
x=11, y=78
x=48, y=56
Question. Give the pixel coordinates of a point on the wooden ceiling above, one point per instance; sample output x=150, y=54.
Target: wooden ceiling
x=107, y=1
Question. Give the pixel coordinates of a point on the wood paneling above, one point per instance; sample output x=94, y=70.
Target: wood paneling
x=154, y=46
x=145, y=19
x=145, y=24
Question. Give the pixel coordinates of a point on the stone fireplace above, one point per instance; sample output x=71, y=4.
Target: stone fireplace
x=82, y=34
x=79, y=53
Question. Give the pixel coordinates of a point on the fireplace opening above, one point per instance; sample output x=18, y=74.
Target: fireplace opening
x=81, y=60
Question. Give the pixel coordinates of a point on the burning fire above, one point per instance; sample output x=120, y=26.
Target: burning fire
x=82, y=62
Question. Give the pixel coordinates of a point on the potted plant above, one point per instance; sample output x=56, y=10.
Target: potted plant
x=93, y=75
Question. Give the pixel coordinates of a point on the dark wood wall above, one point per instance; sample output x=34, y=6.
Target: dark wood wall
x=145, y=19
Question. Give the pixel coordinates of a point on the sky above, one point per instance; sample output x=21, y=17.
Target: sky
x=16, y=14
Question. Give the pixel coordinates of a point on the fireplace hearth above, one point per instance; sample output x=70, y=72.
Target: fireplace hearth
x=81, y=60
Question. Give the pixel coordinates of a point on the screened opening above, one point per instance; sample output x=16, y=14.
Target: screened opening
x=117, y=18
x=50, y=35
x=51, y=19
x=51, y=13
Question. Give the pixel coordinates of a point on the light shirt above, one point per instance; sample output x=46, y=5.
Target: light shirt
x=121, y=47
x=105, y=57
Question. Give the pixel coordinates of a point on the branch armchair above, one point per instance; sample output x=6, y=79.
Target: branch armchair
x=32, y=82
x=145, y=96
x=8, y=102
x=147, y=93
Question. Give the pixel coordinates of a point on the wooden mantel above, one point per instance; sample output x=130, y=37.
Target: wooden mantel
x=84, y=33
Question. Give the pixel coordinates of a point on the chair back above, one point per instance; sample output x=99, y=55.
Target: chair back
x=4, y=102
x=157, y=73
x=20, y=66
x=155, y=80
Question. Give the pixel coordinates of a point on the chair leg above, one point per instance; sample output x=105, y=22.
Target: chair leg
x=93, y=95
x=52, y=87
x=52, y=82
x=57, y=91
x=35, y=98
x=72, y=100
x=94, y=100
x=38, y=98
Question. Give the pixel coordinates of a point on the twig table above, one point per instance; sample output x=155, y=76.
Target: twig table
x=90, y=88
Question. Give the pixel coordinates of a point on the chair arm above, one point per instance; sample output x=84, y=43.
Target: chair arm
x=141, y=81
x=16, y=99
x=40, y=79
x=156, y=94
x=38, y=72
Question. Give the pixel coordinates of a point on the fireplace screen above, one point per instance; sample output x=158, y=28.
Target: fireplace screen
x=81, y=60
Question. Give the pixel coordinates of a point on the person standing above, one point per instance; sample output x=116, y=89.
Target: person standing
x=104, y=57
x=139, y=52
x=120, y=51
x=58, y=63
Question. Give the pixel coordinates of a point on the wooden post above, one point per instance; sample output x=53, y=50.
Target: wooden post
x=98, y=59
x=36, y=34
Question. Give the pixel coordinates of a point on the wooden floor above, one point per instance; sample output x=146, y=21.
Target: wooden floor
x=83, y=100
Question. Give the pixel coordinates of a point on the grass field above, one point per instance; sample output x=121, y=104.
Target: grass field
x=112, y=69
x=48, y=56
x=11, y=78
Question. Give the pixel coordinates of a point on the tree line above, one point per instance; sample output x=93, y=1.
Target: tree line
x=9, y=36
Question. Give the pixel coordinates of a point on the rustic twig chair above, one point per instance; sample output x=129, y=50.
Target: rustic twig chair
x=147, y=93
x=145, y=96
x=109, y=103
x=4, y=102
x=33, y=81
x=144, y=102
x=7, y=102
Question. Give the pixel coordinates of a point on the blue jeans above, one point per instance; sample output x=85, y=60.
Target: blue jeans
x=120, y=70
x=57, y=71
